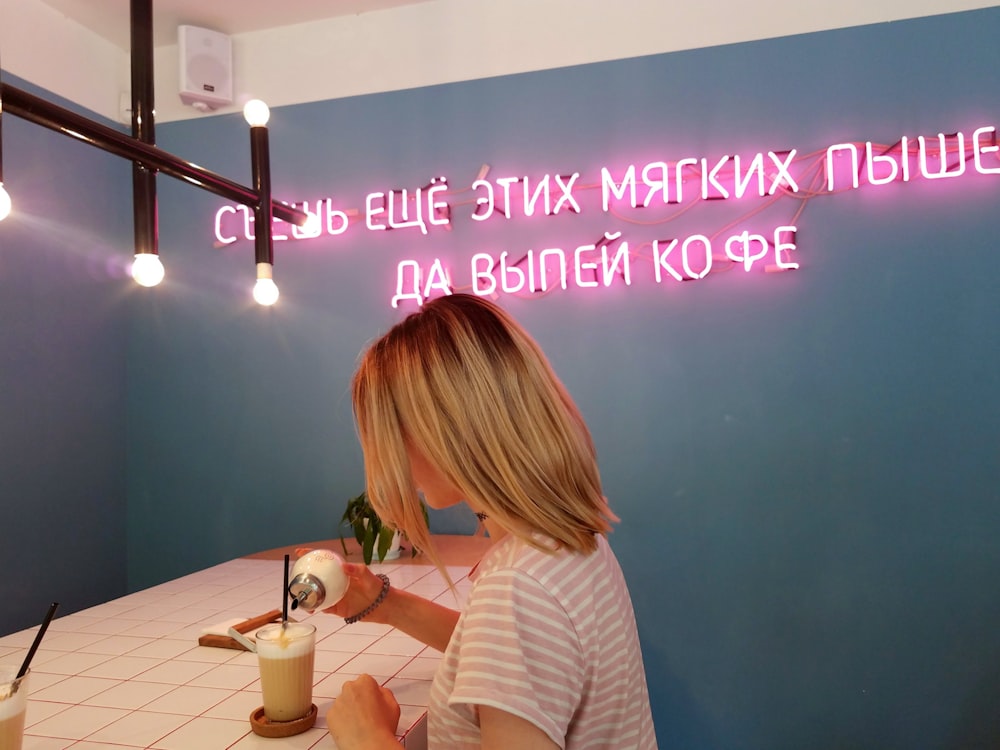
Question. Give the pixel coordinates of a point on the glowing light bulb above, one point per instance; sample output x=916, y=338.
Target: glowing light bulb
x=4, y=202
x=265, y=291
x=256, y=113
x=313, y=225
x=147, y=270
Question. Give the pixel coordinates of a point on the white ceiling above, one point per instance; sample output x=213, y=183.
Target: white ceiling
x=293, y=51
x=110, y=18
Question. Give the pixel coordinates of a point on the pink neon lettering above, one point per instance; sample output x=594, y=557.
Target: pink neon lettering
x=219, y=236
x=505, y=183
x=439, y=212
x=943, y=170
x=566, y=196
x=620, y=261
x=745, y=241
x=781, y=247
x=742, y=179
x=530, y=199
x=904, y=157
x=247, y=222
x=979, y=149
x=656, y=185
x=372, y=210
x=851, y=149
x=483, y=201
x=561, y=259
x=706, y=246
x=478, y=274
x=438, y=278
x=402, y=220
x=401, y=275
x=337, y=222
x=679, y=177
x=506, y=271
x=275, y=234
x=581, y=266
x=783, y=178
x=660, y=260
x=611, y=188
x=709, y=179
x=874, y=161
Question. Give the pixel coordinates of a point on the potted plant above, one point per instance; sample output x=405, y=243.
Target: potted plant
x=378, y=541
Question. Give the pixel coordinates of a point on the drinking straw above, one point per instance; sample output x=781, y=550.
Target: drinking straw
x=38, y=639
x=284, y=597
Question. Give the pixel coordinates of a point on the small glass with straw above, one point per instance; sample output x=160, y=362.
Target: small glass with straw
x=14, y=691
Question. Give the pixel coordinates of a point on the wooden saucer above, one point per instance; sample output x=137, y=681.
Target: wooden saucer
x=264, y=727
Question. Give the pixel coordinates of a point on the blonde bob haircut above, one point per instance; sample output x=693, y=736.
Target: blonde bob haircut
x=469, y=389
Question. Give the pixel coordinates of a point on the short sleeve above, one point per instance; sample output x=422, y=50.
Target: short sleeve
x=519, y=652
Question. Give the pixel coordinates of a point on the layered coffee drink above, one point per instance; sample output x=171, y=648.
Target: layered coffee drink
x=11, y=729
x=13, y=702
x=286, y=655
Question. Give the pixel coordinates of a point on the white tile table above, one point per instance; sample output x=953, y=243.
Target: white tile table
x=130, y=673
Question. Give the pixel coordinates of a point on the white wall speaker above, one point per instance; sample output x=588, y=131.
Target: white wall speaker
x=206, y=74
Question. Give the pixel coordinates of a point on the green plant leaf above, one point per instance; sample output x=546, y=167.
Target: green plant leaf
x=360, y=530
x=367, y=548
x=374, y=538
x=385, y=536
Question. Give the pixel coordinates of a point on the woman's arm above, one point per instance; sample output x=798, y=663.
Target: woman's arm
x=430, y=623
x=364, y=717
x=502, y=731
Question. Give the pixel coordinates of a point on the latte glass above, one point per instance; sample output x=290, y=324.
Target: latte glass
x=286, y=656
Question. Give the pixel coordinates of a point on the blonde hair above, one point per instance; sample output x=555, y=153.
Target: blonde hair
x=470, y=389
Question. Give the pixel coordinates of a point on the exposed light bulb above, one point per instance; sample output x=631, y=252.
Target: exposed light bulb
x=256, y=113
x=313, y=225
x=147, y=270
x=4, y=202
x=265, y=291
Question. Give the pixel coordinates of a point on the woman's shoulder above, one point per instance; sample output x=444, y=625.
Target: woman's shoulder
x=544, y=561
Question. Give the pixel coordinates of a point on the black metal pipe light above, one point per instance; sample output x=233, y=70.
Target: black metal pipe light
x=148, y=160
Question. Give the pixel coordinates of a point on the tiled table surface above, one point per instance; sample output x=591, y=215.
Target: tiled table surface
x=130, y=673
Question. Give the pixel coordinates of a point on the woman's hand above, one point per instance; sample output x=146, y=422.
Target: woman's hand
x=364, y=716
x=363, y=588
x=429, y=622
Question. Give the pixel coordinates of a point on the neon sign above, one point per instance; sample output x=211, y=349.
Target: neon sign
x=678, y=185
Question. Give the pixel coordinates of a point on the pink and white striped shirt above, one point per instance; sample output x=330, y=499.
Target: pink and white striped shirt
x=551, y=638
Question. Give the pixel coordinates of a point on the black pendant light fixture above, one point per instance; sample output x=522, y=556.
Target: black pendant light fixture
x=148, y=160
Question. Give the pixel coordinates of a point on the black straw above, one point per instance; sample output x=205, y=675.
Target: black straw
x=38, y=639
x=284, y=596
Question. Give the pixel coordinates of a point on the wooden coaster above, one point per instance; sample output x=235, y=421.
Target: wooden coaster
x=264, y=727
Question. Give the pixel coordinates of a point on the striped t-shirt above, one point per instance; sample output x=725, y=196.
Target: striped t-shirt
x=549, y=637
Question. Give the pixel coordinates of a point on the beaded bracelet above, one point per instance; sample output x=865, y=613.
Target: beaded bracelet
x=371, y=607
x=481, y=516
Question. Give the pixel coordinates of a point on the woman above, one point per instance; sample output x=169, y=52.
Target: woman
x=457, y=403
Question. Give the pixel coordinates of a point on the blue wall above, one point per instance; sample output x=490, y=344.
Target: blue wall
x=63, y=312
x=806, y=464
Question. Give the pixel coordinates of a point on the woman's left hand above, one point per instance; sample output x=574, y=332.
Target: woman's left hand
x=364, y=716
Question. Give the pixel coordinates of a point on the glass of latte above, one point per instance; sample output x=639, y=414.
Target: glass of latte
x=13, y=702
x=286, y=654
